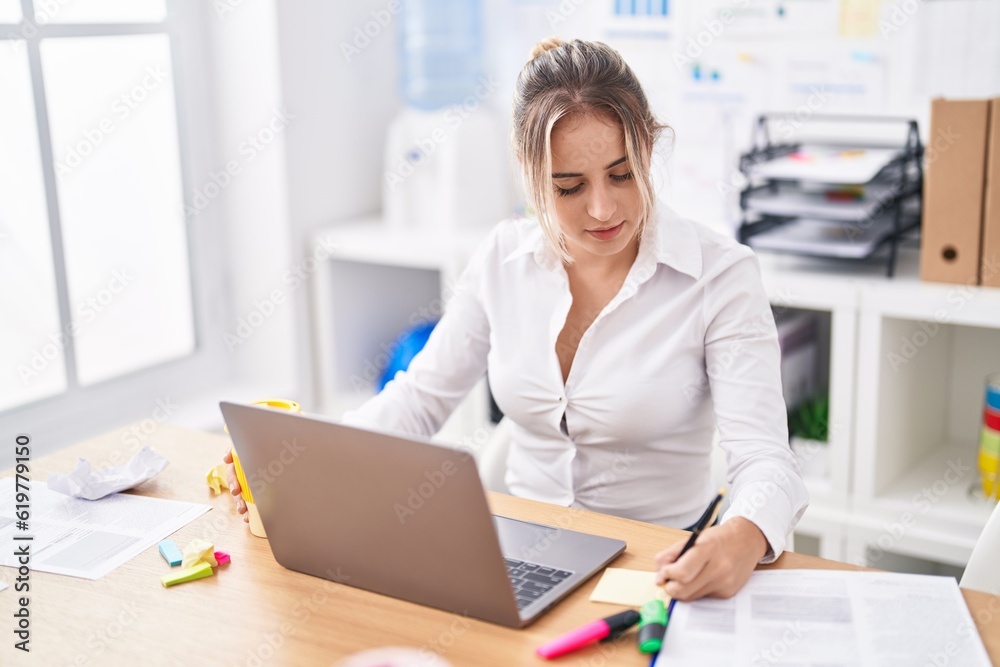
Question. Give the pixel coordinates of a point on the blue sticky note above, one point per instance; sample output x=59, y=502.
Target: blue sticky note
x=171, y=553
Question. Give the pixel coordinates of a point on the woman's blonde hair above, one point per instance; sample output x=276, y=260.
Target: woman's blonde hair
x=578, y=77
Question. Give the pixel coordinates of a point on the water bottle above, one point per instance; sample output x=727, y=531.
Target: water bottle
x=441, y=50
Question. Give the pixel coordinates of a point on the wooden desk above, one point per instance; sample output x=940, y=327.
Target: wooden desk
x=253, y=612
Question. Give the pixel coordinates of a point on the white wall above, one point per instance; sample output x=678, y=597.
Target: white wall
x=342, y=106
x=243, y=189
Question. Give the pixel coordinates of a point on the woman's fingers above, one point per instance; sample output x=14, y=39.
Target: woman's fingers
x=726, y=557
x=670, y=554
x=234, y=485
x=706, y=583
x=684, y=570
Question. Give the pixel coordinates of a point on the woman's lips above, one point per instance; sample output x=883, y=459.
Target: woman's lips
x=607, y=234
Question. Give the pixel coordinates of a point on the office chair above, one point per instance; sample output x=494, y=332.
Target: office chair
x=982, y=572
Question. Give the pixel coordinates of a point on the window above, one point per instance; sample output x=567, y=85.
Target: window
x=97, y=259
x=29, y=301
x=100, y=11
x=10, y=11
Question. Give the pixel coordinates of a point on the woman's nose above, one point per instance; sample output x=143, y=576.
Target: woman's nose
x=601, y=206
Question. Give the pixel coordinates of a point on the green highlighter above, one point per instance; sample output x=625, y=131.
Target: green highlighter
x=652, y=625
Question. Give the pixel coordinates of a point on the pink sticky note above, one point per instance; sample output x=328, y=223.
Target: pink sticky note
x=222, y=557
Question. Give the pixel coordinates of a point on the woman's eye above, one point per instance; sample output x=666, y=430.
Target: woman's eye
x=563, y=192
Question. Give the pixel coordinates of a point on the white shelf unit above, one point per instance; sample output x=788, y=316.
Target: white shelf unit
x=899, y=415
x=376, y=284
x=925, y=350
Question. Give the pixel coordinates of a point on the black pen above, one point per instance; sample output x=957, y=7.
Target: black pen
x=704, y=522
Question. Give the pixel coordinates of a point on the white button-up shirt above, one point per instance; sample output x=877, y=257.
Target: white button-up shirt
x=687, y=345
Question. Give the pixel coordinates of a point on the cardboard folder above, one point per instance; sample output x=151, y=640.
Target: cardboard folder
x=990, y=264
x=952, y=223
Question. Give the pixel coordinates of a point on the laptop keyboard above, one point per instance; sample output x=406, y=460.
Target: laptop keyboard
x=531, y=580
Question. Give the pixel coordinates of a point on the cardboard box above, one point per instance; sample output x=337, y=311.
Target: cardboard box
x=954, y=176
x=990, y=264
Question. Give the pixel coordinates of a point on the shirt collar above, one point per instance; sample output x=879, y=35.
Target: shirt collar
x=675, y=242
x=532, y=242
x=670, y=240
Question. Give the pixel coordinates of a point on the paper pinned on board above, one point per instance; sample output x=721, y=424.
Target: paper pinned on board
x=859, y=18
x=629, y=587
x=94, y=484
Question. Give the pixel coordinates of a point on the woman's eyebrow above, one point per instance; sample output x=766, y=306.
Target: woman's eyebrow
x=616, y=162
x=574, y=175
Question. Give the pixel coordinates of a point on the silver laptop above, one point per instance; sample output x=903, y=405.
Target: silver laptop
x=403, y=518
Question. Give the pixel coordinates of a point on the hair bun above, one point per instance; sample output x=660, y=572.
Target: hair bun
x=545, y=45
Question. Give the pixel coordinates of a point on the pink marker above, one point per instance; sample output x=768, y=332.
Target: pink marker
x=605, y=628
x=222, y=557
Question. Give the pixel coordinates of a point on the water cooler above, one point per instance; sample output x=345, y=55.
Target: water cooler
x=446, y=154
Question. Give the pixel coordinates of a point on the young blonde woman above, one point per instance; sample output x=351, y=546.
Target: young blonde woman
x=617, y=336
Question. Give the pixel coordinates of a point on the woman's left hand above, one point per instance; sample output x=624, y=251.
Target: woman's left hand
x=718, y=564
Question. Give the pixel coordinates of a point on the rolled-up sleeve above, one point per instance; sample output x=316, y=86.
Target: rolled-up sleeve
x=420, y=399
x=742, y=360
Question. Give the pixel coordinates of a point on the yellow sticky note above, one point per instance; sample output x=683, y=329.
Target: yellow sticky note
x=197, y=551
x=199, y=571
x=629, y=587
x=216, y=478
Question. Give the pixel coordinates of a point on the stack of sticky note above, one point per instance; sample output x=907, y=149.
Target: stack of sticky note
x=197, y=561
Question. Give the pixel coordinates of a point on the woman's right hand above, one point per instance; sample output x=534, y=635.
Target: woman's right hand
x=234, y=485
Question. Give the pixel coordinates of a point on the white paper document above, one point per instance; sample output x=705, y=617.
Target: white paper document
x=827, y=238
x=828, y=617
x=828, y=165
x=87, y=538
x=792, y=201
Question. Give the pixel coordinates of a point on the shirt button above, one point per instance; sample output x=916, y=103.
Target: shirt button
x=560, y=399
